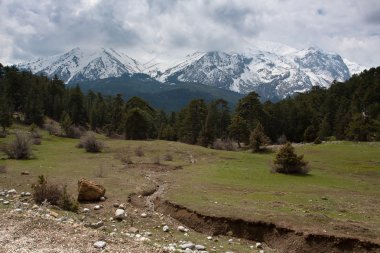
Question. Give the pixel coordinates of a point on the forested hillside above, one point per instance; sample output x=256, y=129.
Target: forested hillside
x=349, y=110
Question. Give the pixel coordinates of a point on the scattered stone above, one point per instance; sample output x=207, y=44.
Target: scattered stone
x=259, y=245
x=100, y=244
x=90, y=190
x=12, y=192
x=144, y=215
x=86, y=210
x=165, y=228
x=27, y=194
x=5, y=202
x=148, y=233
x=188, y=245
x=261, y=251
x=200, y=247
x=97, y=207
x=54, y=214
x=209, y=237
x=25, y=173
x=119, y=214
x=34, y=207
x=324, y=198
x=116, y=205
x=122, y=206
x=18, y=210
x=182, y=229
x=96, y=225
x=133, y=230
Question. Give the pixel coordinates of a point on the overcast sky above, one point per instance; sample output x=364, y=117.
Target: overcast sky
x=147, y=28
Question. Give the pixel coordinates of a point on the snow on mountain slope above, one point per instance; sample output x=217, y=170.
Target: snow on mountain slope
x=273, y=70
x=79, y=65
x=275, y=74
x=353, y=67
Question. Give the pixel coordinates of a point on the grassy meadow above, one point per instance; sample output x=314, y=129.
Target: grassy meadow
x=340, y=195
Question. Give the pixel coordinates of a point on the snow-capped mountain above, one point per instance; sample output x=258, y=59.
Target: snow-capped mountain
x=273, y=70
x=80, y=65
x=271, y=74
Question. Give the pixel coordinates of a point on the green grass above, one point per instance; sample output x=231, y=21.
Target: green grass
x=235, y=184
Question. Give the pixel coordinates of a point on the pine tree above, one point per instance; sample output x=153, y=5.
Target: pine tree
x=288, y=162
x=137, y=124
x=238, y=130
x=5, y=113
x=258, y=138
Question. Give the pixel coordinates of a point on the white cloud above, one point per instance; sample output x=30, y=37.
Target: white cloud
x=146, y=28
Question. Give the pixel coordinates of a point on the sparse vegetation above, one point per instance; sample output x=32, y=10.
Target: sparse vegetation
x=20, y=148
x=139, y=151
x=317, y=141
x=156, y=160
x=288, y=162
x=258, y=140
x=90, y=143
x=54, y=194
x=224, y=144
x=3, y=169
x=100, y=172
x=168, y=157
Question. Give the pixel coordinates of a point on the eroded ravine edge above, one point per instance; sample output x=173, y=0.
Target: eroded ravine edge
x=277, y=237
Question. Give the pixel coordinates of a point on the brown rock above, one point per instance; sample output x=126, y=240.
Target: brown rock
x=90, y=190
x=25, y=173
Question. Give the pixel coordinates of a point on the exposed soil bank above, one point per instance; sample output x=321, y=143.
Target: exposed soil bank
x=281, y=238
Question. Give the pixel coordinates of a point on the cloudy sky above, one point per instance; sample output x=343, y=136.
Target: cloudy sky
x=148, y=28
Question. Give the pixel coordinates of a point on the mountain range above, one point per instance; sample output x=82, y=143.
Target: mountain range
x=274, y=71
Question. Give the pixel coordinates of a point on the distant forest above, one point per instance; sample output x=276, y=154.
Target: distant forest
x=346, y=111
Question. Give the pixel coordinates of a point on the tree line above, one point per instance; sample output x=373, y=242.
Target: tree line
x=347, y=110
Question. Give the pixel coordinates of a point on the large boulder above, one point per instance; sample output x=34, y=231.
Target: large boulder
x=90, y=190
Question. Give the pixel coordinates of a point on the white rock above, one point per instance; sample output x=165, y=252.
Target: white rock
x=6, y=202
x=115, y=204
x=209, y=237
x=100, y=244
x=259, y=245
x=102, y=198
x=200, y=247
x=28, y=194
x=122, y=206
x=18, y=210
x=12, y=192
x=182, y=229
x=188, y=245
x=261, y=251
x=165, y=228
x=86, y=210
x=144, y=215
x=119, y=214
x=97, y=207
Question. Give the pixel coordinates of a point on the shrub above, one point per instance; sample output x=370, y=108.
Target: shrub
x=53, y=128
x=168, y=157
x=54, y=194
x=224, y=144
x=288, y=162
x=42, y=191
x=20, y=148
x=3, y=134
x=139, y=151
x=123, y=155
x=100, y=172
x=91, y=144
x=156, y=160
x=37, y=141
x=74, y=132
x=67, y=202
x=3, y=169
x=317, y=141
x=258, y=139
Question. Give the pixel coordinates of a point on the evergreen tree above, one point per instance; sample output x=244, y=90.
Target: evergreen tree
x=76, y=107
x=117, y=114
x=192, y=121
x=5, y=113
x=238, y=130
x=251, y=110
x=65, y=122
x=258, y=138
x=137, y=124
x=288, y=162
